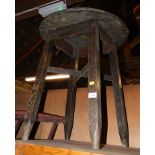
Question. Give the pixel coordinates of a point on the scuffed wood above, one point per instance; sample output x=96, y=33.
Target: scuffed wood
x=117, y=87
x=70, y=104
x=37, y=90
x=62, y=24
x=41, y=117
x=70, y=148
x=89, y=22
x=94, y=87
x=119, y=98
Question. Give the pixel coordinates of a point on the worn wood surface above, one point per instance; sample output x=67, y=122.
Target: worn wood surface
x=37, y=90
x=114, y=27
x=94, y=87
x=72, y=30
x=117, y=86
x=62, y=25
x=119, y=98
x=70, y=105
x=41, y=117
x=69, y=148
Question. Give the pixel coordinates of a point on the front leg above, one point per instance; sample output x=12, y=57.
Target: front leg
x=119, y=98
x=94, y=88
x=37, y=91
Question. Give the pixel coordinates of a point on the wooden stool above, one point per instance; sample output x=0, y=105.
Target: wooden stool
x=82, y=28
x=41, y=117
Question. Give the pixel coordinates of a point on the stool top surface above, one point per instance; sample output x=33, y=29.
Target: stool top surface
x=111, y=24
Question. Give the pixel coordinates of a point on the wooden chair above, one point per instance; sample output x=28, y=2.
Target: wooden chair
x=82, y=28
x=42, y=117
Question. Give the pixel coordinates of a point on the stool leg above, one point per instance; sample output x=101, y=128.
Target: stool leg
x=37, y=90
x=70, y=106
x=119, y=98
x=94, y=93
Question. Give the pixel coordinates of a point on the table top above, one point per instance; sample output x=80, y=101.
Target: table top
x=111, y=24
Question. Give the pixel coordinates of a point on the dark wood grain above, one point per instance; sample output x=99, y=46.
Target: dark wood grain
x=95, y=119
x=114, y=27
x=70, y=105
x=119, y=98
x=37, y=90
x=93, y=24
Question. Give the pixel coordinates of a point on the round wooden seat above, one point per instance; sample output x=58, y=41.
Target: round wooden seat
x=109, y=22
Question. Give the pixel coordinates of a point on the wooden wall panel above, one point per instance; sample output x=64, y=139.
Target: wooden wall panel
x=21, y=100
x=55, y=103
